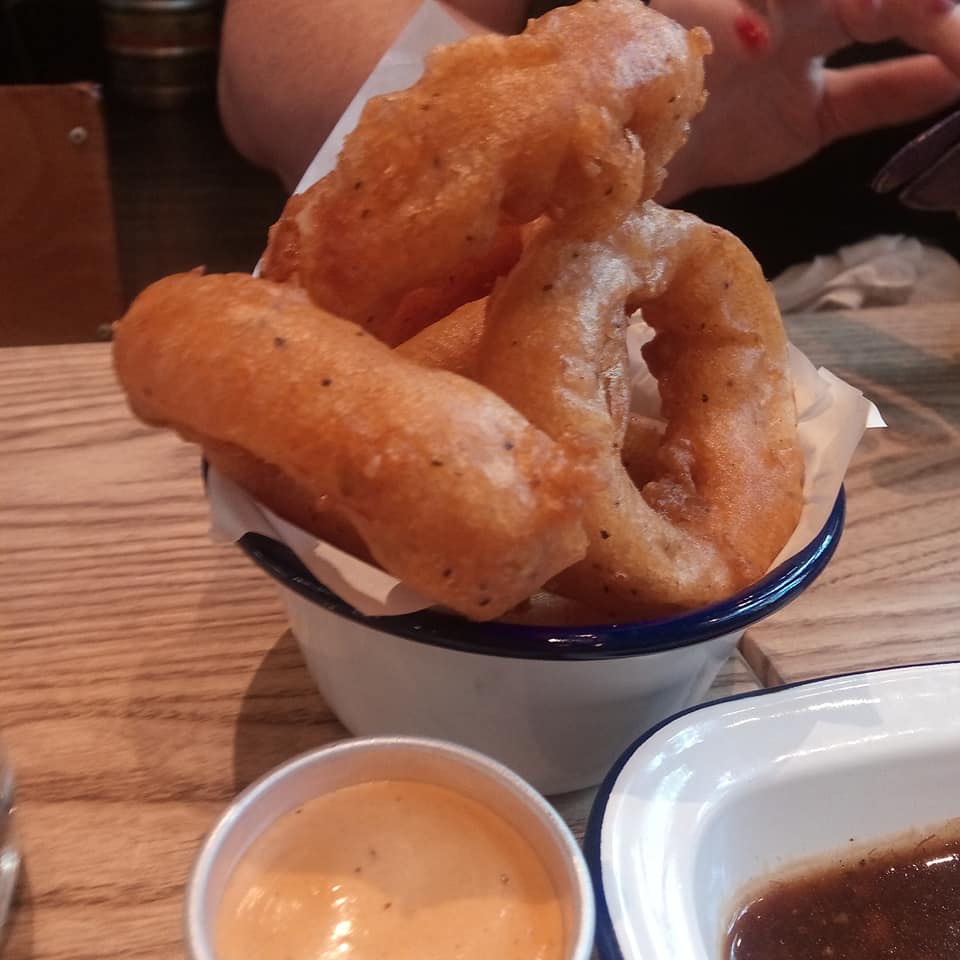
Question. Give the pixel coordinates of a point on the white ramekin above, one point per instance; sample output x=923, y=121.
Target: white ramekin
x=403, y=758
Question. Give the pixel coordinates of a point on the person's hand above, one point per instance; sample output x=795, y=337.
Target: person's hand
x=772, y=101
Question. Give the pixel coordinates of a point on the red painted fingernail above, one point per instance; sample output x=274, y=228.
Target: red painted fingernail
x=753, y=33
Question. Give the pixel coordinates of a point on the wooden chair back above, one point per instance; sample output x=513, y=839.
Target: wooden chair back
x=59, y=276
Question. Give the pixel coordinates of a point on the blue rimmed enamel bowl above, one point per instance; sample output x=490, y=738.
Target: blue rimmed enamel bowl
x=556, y=704
x=712, y=805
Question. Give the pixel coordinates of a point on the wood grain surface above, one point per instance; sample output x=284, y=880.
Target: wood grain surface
x=891, y=593
x=147, y=674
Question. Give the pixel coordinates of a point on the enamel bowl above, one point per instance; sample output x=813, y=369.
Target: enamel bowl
x=710, y=803
x=557, y=705
x=349, y=762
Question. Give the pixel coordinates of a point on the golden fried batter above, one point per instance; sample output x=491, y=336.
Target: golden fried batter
x=468, y=281
x=582, y=109
x=285, y=497
x=452, y=343
x=451, y=490
x=728, y=492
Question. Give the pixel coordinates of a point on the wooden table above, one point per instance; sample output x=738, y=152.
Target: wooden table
x=891, y=594
x=147, y=674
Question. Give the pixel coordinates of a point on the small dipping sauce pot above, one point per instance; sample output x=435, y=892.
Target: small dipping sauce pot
x=417, y=843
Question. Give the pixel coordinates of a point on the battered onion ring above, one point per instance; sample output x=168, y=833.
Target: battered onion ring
x=470, y=280
x=729, y=490
x=462, y=499
x=641, y=443
x=582, y=109
x=455, y=344
x=452, y=343
x=285, y=497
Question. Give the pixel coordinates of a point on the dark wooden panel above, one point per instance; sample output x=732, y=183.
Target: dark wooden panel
x=59, y=280
x=184, y=197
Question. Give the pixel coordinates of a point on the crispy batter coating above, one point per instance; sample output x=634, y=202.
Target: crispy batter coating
x=583, y=109
x=451, y=490
x=470, y=280
x=455, y=344
x=285, y=497
x=728, y=491
x=641, y=443
x=452, y=343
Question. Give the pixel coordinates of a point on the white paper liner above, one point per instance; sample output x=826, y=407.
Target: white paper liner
x=832, y=415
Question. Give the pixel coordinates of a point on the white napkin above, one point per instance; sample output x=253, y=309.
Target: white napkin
x=883, y=271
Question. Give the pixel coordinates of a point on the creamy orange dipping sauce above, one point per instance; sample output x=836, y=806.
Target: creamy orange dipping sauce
x=390, y=869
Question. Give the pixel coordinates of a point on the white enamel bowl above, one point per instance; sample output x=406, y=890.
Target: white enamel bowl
x=556, y=704
x=713, y=800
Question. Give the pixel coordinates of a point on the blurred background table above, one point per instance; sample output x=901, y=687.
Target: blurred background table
x=148, y=675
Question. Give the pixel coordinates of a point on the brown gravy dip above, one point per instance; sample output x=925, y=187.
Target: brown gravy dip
x=398, y=869
x=895, y=901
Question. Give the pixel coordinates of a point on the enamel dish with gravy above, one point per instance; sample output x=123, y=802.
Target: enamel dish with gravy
x=709, y=806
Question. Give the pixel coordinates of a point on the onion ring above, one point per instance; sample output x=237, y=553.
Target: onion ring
x=641, y=443
x=467, y=281
x=729, y=488
x=241, y=361
x=452, y=343
x=581, y=110
x=455, y=343
x=285, y=497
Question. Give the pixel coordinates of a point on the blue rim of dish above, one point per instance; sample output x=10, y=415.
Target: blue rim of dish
x=606, y=945
x=592, y=642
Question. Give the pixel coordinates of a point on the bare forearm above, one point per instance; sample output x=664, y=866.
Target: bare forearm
x=289, y=68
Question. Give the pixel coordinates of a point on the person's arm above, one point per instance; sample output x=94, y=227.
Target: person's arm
x=289, y=68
